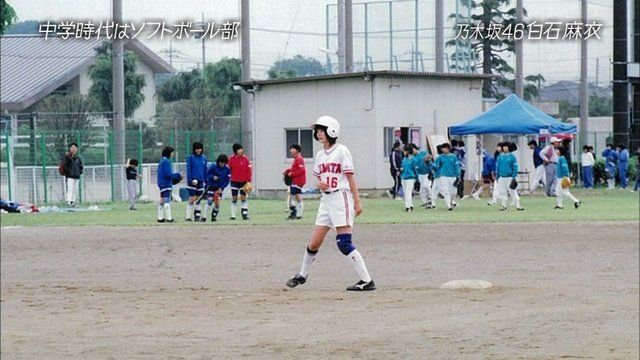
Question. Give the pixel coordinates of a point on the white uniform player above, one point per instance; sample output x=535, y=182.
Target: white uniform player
x=339, y=204
x=331, y=167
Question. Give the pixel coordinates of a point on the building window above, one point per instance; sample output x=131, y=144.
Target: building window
x=302, y=137
x=404, y=134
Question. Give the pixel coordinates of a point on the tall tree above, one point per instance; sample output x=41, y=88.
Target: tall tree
x=181, y=86
x=488, y=50
x=196, y=114
x=101, y=74
x=7, y=16
x=296, y=66
x=531, y=85
x=218, y=84
x=66, y=118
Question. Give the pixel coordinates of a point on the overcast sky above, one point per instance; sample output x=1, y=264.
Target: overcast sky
x=284, y=28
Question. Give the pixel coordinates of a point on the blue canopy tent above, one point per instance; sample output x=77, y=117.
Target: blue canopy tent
x=512, y=116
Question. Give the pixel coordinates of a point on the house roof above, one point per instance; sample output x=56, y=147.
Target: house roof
x=367, y=74
x=33, y=66
x=569, y=91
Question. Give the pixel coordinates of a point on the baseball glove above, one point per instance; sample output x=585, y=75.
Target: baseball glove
x=565, y=182
x=247, y=187
x=287, y=179
x=513, y=185
x=176, y=178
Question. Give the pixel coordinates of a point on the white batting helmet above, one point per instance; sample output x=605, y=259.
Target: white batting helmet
x=332, y=125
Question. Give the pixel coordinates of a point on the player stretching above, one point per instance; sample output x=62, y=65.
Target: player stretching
x=339, y=203
x=217, y=180
x=298, y=174
x=240, y=167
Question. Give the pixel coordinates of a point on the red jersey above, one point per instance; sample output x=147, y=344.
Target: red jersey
x=240, y=167
x=298, y=172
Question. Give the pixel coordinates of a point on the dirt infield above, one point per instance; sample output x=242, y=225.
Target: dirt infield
x=561, y=291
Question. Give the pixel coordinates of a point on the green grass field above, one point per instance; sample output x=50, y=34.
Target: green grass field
x=598, y=205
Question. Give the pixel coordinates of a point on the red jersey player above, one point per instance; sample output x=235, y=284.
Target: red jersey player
x=240, y=167
x=298, y=174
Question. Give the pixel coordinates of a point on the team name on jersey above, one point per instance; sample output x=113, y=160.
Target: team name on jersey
x=334, y=168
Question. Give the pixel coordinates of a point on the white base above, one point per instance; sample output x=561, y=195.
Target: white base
x=466, y=284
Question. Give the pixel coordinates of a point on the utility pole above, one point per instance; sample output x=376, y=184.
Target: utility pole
x=584, y=81
x=439, y=36
x=203, y=53
x=246, y=123
x=597, y=72
x=345, y=36
x=519, y=63
x=118, y=90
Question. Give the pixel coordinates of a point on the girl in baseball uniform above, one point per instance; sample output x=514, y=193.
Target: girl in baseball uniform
x=339, y=204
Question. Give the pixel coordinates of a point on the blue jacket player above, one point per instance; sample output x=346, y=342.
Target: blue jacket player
x=611, y=160
x=196, y=172
x=166, y=179
x=218, y=176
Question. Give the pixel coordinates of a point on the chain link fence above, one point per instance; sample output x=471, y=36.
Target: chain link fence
x=29, y=158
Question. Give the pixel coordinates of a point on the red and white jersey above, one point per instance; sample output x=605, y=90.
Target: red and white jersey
x=332, y=167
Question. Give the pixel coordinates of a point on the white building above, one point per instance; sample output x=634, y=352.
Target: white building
x=33, y=67
x=371, y=108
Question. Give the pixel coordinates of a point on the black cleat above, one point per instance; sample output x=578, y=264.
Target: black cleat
x=362, y=286
x=187, y=219
x=577, y=204
x=520, y=209
x=296, y=280
x=160, y=220
x=558, y=207
x=169, y=220
x=232, y=218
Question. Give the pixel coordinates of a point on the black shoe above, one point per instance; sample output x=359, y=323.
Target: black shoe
x=213, y=219
x=203, y=219
x=298, y=217
x=245, y=214
x=245, y=217
x=450, y=209
x=160, y=220
x=296, y=280
x=520, y=209
x=187, y=219
x=291, y=217
x=558, y=208
x=232, y=218
x=362, y=286
x=503, y=208
x=577, y=205
x=169, y=220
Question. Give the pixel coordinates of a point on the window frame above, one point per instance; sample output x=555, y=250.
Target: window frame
x=307, y=151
